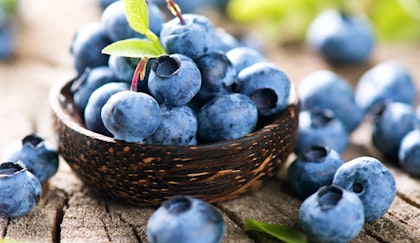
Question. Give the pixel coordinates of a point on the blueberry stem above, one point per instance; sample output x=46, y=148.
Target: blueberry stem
x=139, y=73
x=175, y=10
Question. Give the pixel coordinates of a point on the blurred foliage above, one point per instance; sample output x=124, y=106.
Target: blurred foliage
x=287, y=20
x=9, y=6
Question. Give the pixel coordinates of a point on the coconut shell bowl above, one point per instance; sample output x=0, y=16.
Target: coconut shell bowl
x=146, y=175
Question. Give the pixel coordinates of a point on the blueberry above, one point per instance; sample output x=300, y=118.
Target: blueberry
x=178, y=126
x=242, y=57
x=409, y=153
x=218, y=75
x=193, y=38
x=97, y=100
x=185, y=219
x=391, y=121
x=267, y=85
x=123, y=67
x=174, y=79
x=321, y=127
x=227, y=117
x=340, y=37
x=116, y=24
x=371, y=181
x=20, y=190
x=84, y=86
x=386, y=81
x=313, y=169
x=38, y=156
x=324, y=89
x=131, y=116
x=87, y=47
x=224, y=41
x=332, y=214
x=7, y=39
x=105, y=3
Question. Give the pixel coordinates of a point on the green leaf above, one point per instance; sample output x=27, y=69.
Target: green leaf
x=136, y=48
x=137, y=15
x=281, y=232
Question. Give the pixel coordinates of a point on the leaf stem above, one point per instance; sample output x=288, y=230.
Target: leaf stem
x=175, y=10
x=139, y=73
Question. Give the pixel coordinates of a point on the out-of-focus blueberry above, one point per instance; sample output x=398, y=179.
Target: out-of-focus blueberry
x=20, y=190
x=178, y=126
x=324, y=89
x=39, y=156
x=193, y=38
x=321, y=127
x=174, y=79
x=371, y=181
x=97, y=100
x=386, y=81
x=224, y=41
x=184, y=219
x=267, y=85
x=391, y=121
x=131, y=116
x=242, y=57
x=7, y=40
x=123, y=67
x=341, y=37
x=227, y=117
x=84, y=86
x=409, y=153
x=313, y=169
x=105, y=3
x=87, y=47
x=331, y=215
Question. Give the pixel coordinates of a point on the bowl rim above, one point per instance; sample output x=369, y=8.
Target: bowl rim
x=57, y=98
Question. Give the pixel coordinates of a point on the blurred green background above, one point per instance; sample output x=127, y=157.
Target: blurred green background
x=286, y=21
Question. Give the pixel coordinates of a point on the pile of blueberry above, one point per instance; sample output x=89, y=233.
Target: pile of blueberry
x=26, y=164
x=199, y=92
x=7, y=28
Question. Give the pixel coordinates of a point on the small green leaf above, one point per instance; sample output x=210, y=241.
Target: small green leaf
x=136, y=48
x=137, y=15
x=281, y=232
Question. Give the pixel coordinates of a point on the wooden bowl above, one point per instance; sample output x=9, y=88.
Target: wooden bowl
x=146, y=175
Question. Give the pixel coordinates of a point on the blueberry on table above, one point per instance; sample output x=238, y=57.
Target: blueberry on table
x=84, y=85
x=372, y=182
x=340, y=37
x=178, y=126
x=87, y=47
x=324, y=89
x=99, y=97
x=7, y=39
x=192, y=36
x=20, y=190
x=313, y=169
x=267, y=85
x=386, y=81
x=321, y=127
x=332, y=214
x=227, y=117
x=174, y=79
x=131, y=116
x=242, y=57
x=38, y=156
x=391, y=121
x=409, y=153
x=185, y=219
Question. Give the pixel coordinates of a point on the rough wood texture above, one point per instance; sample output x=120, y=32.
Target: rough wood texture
x=70, y=212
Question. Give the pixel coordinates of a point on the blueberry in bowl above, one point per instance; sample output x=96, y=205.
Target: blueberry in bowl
x=147, y=174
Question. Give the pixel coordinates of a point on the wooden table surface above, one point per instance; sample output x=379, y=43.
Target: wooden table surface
x=71, y=212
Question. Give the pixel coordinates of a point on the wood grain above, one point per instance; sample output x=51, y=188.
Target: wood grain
x=70, y=212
